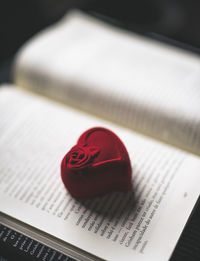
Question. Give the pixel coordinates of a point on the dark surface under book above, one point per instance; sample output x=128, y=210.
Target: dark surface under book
x=16, y=246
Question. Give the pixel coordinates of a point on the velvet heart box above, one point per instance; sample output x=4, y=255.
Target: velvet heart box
x=97, y=164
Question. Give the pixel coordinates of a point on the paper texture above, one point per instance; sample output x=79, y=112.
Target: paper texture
x=143, y=224
x=142, y=84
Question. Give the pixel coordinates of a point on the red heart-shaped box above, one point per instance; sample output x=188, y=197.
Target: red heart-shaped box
x=98, y=164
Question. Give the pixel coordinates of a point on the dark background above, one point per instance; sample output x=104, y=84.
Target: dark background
x=173, y=21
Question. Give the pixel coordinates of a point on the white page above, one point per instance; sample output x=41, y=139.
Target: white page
x=138, y=225
x=143, y=84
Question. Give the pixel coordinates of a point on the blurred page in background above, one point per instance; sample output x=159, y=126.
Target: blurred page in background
x=140, y=83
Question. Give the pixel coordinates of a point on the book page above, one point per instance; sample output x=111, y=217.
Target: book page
x=142, y=224
x=137, y=82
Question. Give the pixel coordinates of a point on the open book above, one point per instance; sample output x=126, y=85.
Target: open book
x=144, y=91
